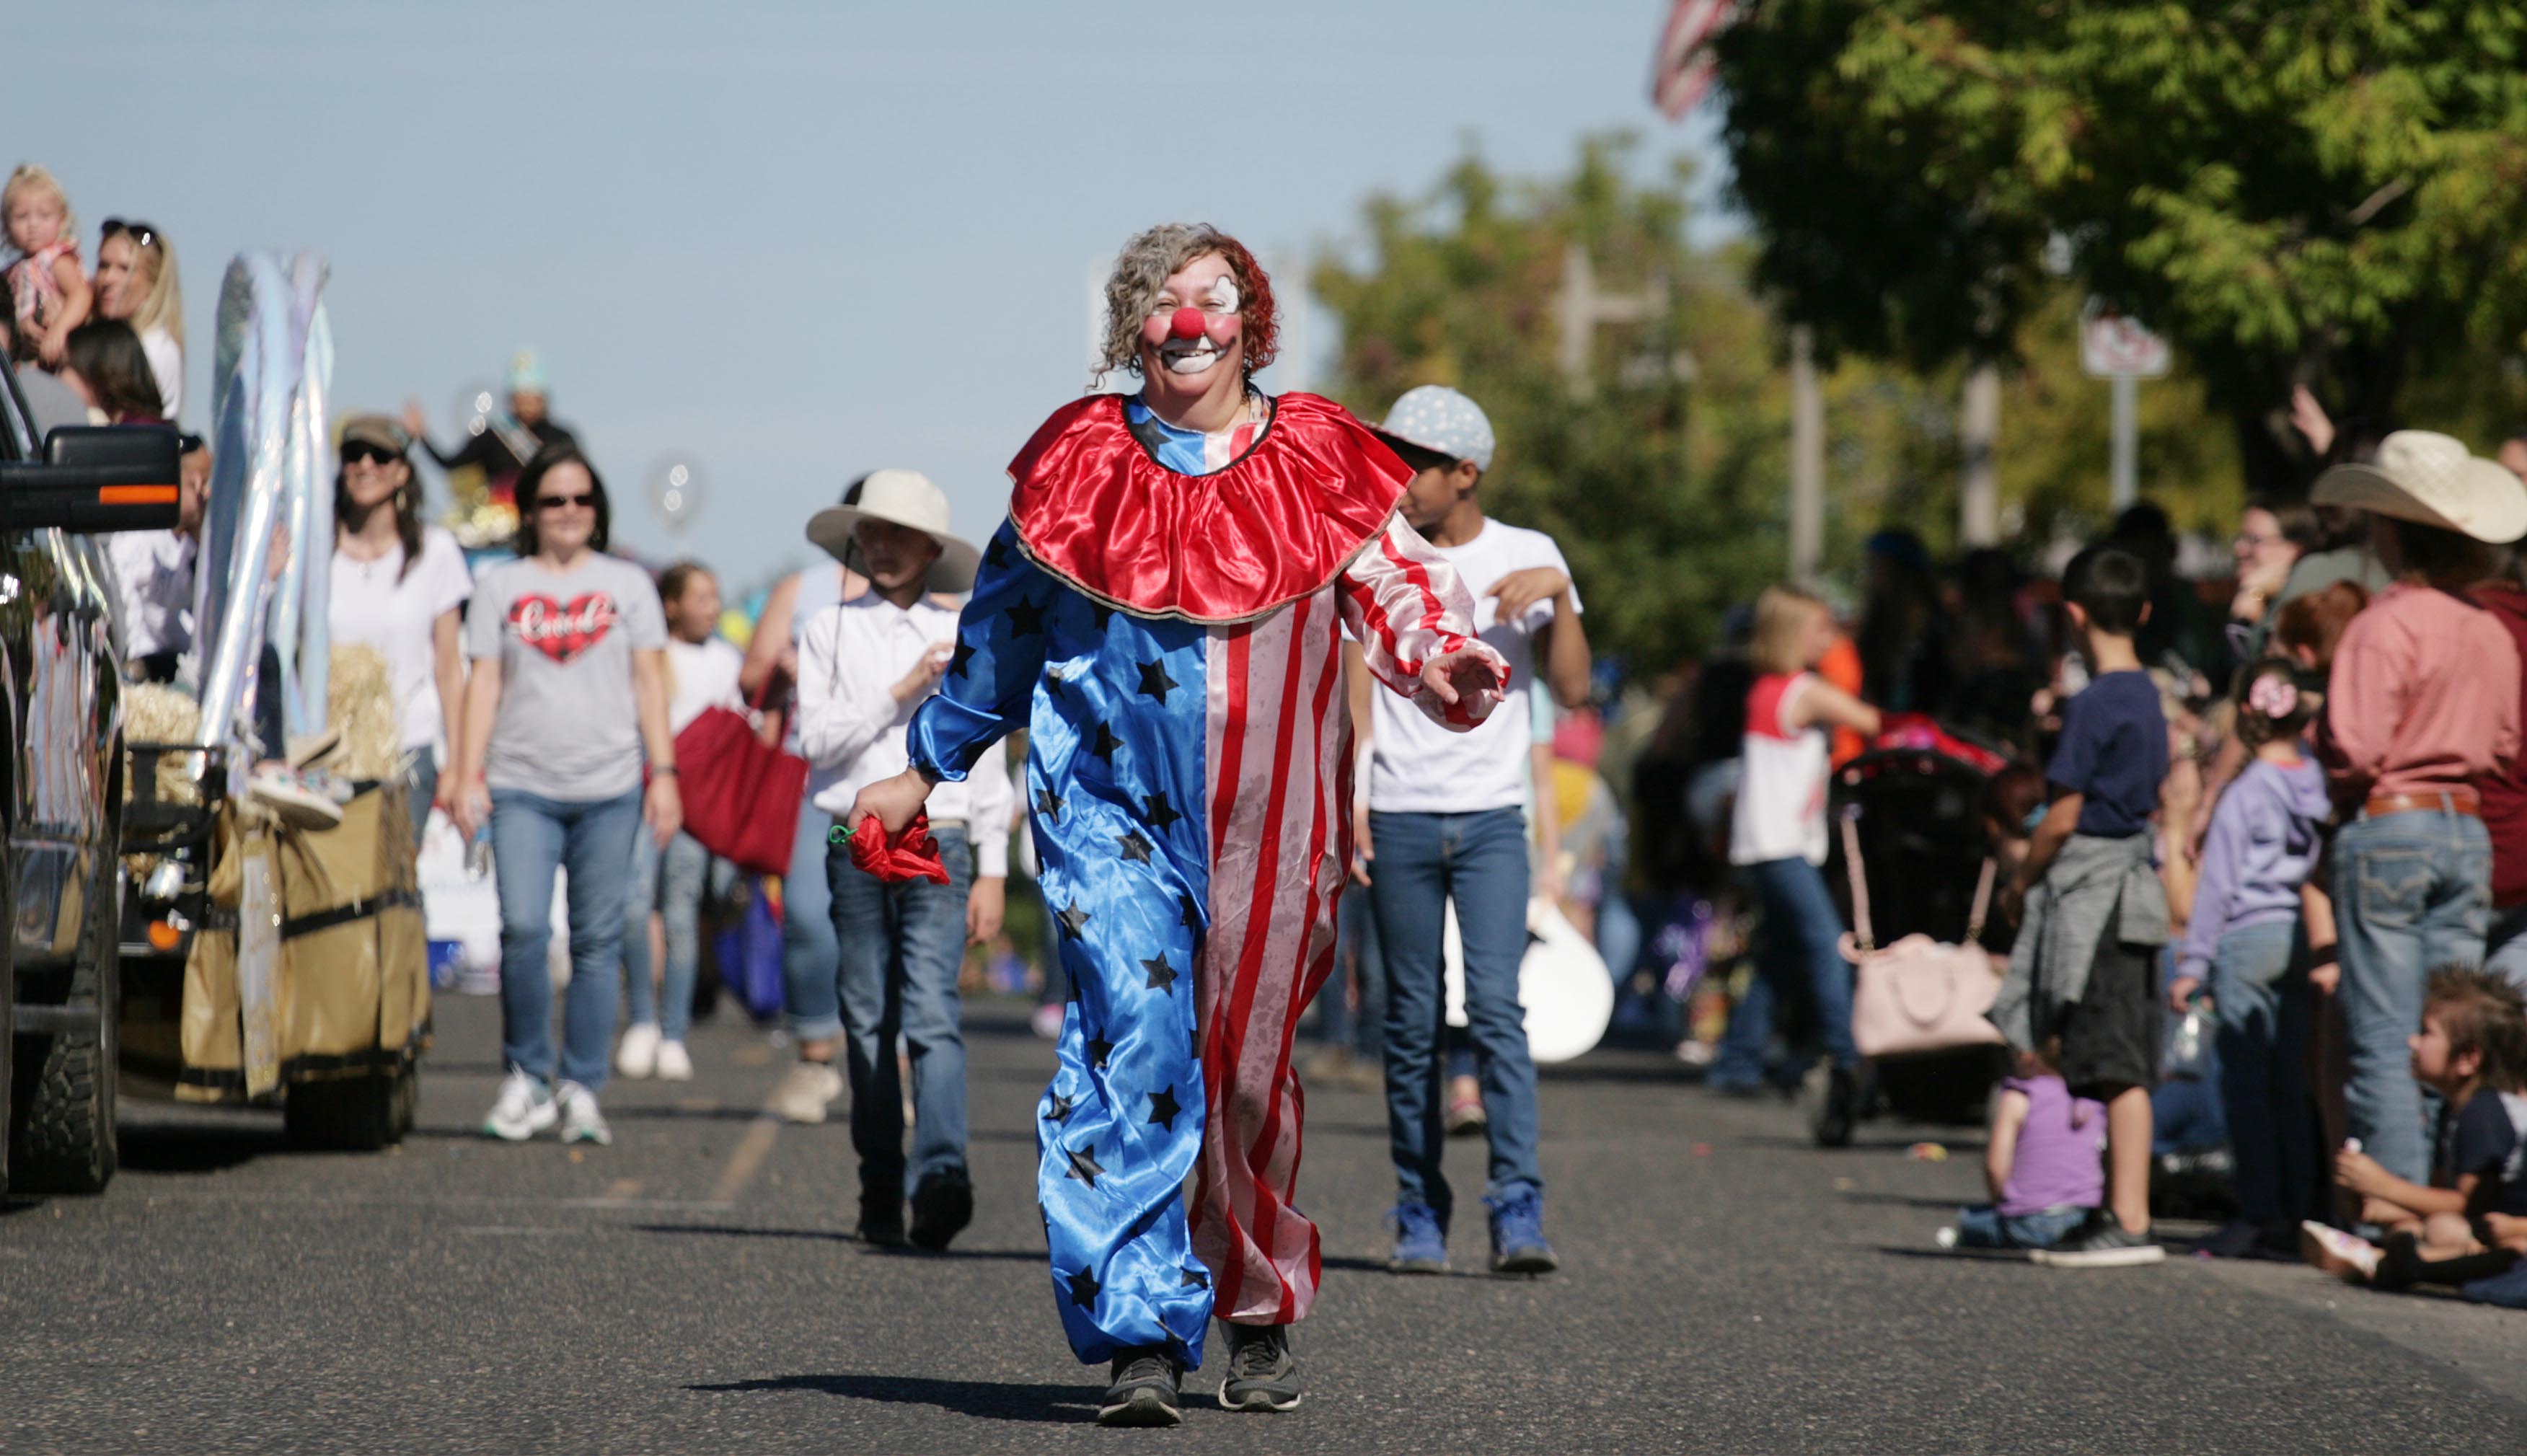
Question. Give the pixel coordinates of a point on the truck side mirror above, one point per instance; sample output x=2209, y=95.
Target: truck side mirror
x=94, y=479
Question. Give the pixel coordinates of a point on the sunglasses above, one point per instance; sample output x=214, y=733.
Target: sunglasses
x=355, y=453
x=558, y=503
x=141, y=232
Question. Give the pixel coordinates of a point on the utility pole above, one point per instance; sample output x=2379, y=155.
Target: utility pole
x=1581, y=308
x=1807, y=457
x=2123, y=468
x=1979, y=430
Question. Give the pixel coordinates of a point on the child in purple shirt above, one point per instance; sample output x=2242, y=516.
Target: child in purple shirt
x=2241, y=945
x=2041, y=1162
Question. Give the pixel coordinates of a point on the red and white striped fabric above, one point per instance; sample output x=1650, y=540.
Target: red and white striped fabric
x=1686, y=65
x=1277, y=743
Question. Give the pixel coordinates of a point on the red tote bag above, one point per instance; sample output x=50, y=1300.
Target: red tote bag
x=742, y=795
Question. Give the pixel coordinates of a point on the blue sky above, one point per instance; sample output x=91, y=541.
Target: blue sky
x=789, y=242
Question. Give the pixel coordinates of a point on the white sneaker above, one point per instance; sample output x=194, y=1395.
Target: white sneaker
x=294, y=799
x=580, y=1121
x=673, y=1065
x=638, y=1056
x=804, y=1091
x=523, y=1110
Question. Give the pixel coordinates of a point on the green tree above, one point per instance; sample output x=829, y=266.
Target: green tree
x=2323, y=191
x=1662, y=479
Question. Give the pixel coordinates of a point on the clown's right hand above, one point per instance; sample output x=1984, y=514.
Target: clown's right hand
x=894, y=801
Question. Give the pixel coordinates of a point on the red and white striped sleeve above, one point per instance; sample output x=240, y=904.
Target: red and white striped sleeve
x=1404, y=605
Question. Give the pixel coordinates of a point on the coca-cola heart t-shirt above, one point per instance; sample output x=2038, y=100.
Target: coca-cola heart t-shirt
x=568, y=727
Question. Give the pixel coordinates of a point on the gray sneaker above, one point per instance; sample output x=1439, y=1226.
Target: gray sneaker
x=2103, y=1244
x=580, y=1121
x=1263, y=1374
x=1145, y=1390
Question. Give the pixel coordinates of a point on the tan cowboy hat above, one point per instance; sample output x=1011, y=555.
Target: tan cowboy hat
x=905, y=497
x=2432, y=479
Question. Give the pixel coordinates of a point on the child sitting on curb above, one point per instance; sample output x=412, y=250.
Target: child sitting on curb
x=2472, y=1043
x=2040, y=1162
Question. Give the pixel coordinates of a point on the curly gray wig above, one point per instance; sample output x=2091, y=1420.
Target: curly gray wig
x=1141, y=274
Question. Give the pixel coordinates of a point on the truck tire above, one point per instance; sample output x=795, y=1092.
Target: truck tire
x=356, y=1114
x=62, y=1136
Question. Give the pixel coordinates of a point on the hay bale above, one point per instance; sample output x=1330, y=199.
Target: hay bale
x=361, y=706
x=153, y=712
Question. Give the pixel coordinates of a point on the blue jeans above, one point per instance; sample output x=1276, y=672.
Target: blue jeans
x=421, y=786
x=1479, y=861
x=807, y=949
x=1796, y=945
x=2411, y=893
x=1981, y=1225
x=1356, y=962
x=531, y=837
x=685, y=865
x=2265, y=1012
x=2504, y=945
x=901, y=948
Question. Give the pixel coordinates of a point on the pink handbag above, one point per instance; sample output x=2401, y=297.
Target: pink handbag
x=1917, y=994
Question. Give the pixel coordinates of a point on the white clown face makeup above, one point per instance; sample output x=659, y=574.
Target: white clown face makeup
x=1195, y=327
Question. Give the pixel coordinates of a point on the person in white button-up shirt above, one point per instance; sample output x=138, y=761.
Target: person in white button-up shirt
x=863, y=666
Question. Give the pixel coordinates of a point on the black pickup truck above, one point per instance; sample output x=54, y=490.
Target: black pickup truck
x=61, y=781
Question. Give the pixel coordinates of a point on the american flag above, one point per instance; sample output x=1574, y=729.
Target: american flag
x=1685, y=64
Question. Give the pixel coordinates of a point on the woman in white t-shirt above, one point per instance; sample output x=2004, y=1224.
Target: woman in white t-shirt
x=400, y=588
x=662, y=916
x=1776, y=839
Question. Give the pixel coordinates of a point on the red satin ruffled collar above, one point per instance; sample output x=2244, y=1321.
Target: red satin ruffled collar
x=1092, y=507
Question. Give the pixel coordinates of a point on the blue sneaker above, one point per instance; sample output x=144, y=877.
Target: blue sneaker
x=1420, y=1242
x=1517, y=1234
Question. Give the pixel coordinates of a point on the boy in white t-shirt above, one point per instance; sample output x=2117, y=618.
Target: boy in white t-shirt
x=663, y=912
x=1442, y=821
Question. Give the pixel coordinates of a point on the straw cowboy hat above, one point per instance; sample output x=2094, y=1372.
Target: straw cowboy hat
x=2431, y=479
x=905, y=497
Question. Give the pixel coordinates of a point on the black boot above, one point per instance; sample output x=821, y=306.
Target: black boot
x=942, y=1207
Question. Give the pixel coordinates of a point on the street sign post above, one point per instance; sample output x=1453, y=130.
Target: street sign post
x=2118, y=349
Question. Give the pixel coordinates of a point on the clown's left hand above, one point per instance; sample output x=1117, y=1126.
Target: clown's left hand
x=1471, y=674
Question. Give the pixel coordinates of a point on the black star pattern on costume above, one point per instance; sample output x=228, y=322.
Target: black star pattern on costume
x=1047, y=803
x=1161, y=814
x=1190, y=916
x=1099, y=1049
x=1083, y=1289
x=1195, y=1278
x=1105, y=745
x=957, y=660
x=1072, y=918
x=1163, y=976
x=1164, y=1110
x=1026, y=618
x=1135, y=849
x=997, y=553
x=1083, y=1164
x=1104, y=614
x=1154, y=680
x=1062, y=1108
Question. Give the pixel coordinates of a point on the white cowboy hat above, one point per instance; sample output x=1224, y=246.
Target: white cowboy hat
x=906, y=498
x=2432, y=479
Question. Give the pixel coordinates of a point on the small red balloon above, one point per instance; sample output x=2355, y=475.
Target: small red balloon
x=1188, y=323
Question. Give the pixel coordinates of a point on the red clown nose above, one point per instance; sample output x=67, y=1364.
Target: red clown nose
x=1188, y=323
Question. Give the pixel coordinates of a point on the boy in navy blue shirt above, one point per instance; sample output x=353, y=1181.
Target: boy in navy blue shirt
x=2096, y=913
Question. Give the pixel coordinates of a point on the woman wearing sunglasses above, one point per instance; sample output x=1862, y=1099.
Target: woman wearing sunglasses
x=136, y=283
x=400, y=588
x=568, y=690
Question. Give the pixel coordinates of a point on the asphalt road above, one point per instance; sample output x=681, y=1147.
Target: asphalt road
x=695, y=1287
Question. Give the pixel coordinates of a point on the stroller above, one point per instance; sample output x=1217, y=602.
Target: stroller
x=1914, y=804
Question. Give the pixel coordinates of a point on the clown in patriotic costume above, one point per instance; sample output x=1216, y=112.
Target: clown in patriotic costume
x=1164, y=613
